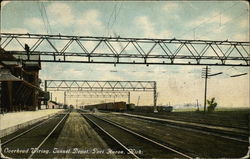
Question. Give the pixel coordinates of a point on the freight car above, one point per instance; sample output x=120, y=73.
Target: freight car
x=130, y=106
x=115, y=106
x=167, y=108
x=149, y=109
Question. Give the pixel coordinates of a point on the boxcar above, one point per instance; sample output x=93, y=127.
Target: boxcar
x=114, y=106
x=120, y=106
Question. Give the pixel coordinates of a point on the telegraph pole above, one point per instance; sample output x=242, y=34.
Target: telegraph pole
x=197, y=104
x=155, y=98
x=128, y=97
x=205, y=72
x=138, y=100
x=205, y=96
x=64, y=98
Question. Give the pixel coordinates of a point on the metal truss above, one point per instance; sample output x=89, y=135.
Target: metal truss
x=117, y=50
x=97, y=94
x=99, y=86
x=93, y=85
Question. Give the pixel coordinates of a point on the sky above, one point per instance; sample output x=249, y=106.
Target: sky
x=177, y=85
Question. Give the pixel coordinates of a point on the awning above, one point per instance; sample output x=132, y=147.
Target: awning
x=6, y=76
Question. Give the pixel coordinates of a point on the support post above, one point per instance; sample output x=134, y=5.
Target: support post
x=128, y=97
x=155, y=98
x=205, y=95
x=64, y=98
x=45, y=89
x=197, y=104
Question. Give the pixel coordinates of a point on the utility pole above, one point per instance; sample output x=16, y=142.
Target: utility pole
x=197, y=103
x=205, y=96
x=51, y=96
x=205, y=72
x=128, y=97
x=76, y=102
x=45, y=90
x=138, y=100
x=64, y=98
x=155, y=98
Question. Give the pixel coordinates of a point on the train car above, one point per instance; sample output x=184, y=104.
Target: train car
x=120, y=106
x=90, y=107
x=167, y=108
x=130, y=106
x=109, y=106
x=116, y=106
x=101, y=106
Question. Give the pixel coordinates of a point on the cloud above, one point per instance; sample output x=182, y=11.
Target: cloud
x=34, y=22
x=170, y=7
x=240, y=37
x=244, y=23
x=212, y=18
x=35, y=25
x=64, y=18
x=90, y=17
x=90, y=21
x=61, y=13
x=144, y=23
x=148, y=27
x=15, y=30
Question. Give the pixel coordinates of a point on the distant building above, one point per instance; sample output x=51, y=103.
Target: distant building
x=54, y=105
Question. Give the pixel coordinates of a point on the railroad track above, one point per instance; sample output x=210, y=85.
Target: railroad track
x=195, y=128
x=132, y=143
x=28, y=143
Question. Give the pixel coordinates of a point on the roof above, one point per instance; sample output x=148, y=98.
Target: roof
x=9, y=58
x=5, y=75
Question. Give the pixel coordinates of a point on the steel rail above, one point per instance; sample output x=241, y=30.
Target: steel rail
x=194, y=128
x=143, y=137
x=45, y=139
x=21, y=134
x=112, y=137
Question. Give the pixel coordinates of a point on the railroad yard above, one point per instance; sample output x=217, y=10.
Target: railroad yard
x=84, y=134
x=124, y=79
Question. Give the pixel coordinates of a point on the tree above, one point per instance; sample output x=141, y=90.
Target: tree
x=211, y=104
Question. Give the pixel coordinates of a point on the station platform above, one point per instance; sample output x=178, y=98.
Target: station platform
x=13, y=119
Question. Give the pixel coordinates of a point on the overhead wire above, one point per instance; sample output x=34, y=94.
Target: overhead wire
x=223, y=25
x=117, y=11
x=41, y=13
x=47, y=19
x=111, y=15
x=206, y=21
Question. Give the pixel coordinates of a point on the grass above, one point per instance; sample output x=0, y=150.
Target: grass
x=228, y=117
x=190, y=142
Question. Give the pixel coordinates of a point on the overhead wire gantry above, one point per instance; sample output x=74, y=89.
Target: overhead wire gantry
x=118, y=50
x=99, y=86
x=98, y=94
